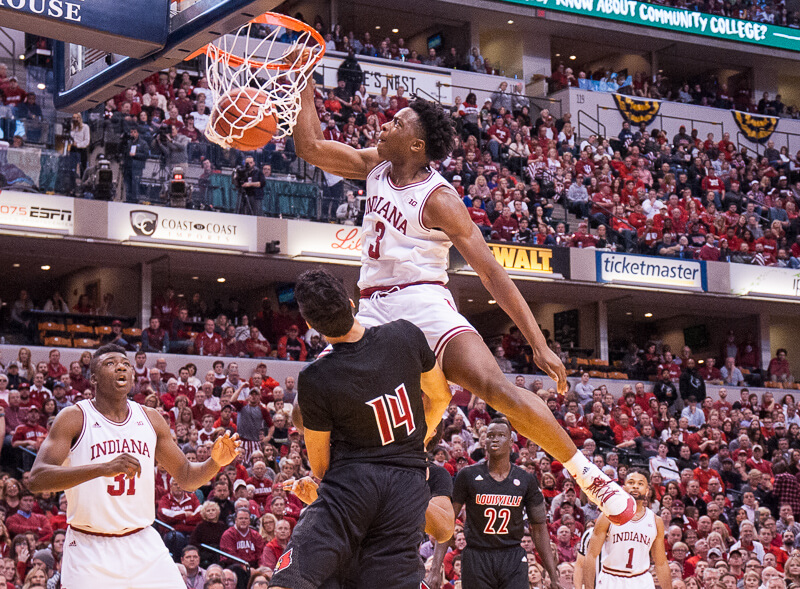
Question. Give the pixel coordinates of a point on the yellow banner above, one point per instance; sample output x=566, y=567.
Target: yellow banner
x=637, y=111
x=756, y=128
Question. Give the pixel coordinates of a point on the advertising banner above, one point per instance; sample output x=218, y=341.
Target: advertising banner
x=676, y=19
x=38, y=212
x=651, y=271
x=761, y=280
x=523, y=260
x=201, y=229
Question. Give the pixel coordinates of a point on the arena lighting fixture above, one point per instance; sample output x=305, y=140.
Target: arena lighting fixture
x=45, y=267
x=41, y=86
x=573, y=57
x=629, y=312
x=377, y=27
x=470, y=300
x=195, y=278
x=648, y=315
x=511, y=22
x=558, y=55
x=220, y=279
x=15, y=265
x=492, y=302
x=22, y=57
x=395, y=31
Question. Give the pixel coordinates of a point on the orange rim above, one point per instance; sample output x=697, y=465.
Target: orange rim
x=271, y=18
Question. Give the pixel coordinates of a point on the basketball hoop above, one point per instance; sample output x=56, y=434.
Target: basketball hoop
x=255, y=82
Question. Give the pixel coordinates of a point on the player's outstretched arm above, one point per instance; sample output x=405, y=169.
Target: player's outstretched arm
x=595, y=547
x=332, y=156
x=190, y=475
x=445, y=210
x=658, y=552
x=435, y=399
x=48, y=474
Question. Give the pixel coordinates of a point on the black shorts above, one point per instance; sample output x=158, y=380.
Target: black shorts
x=494, y=569
x=369, y=511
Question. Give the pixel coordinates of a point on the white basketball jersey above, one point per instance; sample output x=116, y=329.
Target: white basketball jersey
x=396, y=247
x=626, y=551
x=113, y=505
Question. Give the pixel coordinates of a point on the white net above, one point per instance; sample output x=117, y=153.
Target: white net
x=273, y=54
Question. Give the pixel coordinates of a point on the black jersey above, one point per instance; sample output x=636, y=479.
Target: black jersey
x=367, y=394
x=440, y=482
x=495, y=509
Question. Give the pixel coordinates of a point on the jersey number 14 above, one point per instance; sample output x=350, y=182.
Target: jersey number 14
x=391, y=412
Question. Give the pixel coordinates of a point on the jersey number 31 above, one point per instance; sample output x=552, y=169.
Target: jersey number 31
x=392, y=412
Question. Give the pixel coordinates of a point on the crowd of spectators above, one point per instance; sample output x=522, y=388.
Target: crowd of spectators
x=639, y=191
x=705, y=90
x=724, y=472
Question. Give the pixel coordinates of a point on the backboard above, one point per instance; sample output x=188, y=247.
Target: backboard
x=89, y=75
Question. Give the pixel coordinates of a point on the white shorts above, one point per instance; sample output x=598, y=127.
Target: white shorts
x=607, y=581
x=428, y=306
x=138, y=561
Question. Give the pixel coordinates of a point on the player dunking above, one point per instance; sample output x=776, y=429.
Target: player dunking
x=625, y=550
x=497, y=494
x=413, y=216
x=365, y=420
x=102, y=452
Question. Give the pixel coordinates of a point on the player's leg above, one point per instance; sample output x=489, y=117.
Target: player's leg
x=329, y=530
x=477, y=569
x=515, y=569
x=389, y=556
x=468, y=362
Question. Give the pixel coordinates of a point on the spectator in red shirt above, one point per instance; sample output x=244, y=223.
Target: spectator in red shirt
x=277, y=546
x=779, y=369
x=261, y=482
x=710, y=373
x=14, y=95
x=479, y=216
x=624, y=432
x=505, y=227
x=55, y=368
x=757, y=461
x=154, y=338
x=241, y=540
x=24, y=520
x=292, y=347
x=256, y=345
x=181, y=510
x=582, y=237
x=208, y=343
x=479, y=412
x=29, y=434
x=713, y=183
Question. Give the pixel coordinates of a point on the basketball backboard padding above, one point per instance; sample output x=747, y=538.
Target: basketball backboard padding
x=203, y=22
x=137, y=29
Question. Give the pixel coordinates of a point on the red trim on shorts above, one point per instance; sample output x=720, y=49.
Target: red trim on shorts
x=450, y=334
x=424, y=202
x=615, y=573
x=369, y=291
x=104, y=535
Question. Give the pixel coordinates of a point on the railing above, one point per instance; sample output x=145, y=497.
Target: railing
x=596, y=130
x=538, y=102
x=206, y=546
x=660, y=117
x=792, y=142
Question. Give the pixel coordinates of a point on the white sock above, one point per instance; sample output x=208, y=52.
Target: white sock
x=576, y=464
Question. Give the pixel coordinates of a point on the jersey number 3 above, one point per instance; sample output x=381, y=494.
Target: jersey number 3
x=375, y=248
x=119, y=488
x=392, y=412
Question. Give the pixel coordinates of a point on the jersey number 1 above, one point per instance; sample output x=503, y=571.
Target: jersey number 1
x=119, y=488
x=375, y=248
x=391, y=412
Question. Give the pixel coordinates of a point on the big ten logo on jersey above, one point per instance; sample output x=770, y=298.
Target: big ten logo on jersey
x=392, y=412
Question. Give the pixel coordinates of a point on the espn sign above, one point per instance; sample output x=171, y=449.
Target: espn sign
x=37, y=212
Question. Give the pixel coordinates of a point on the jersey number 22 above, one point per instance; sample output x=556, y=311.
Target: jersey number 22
x=392, y=412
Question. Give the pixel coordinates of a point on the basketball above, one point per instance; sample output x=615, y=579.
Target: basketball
x=239, y=108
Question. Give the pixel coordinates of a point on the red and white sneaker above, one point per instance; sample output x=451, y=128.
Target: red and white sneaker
x=615, y=503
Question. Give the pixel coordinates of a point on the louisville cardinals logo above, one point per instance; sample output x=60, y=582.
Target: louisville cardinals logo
x=284, y=561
